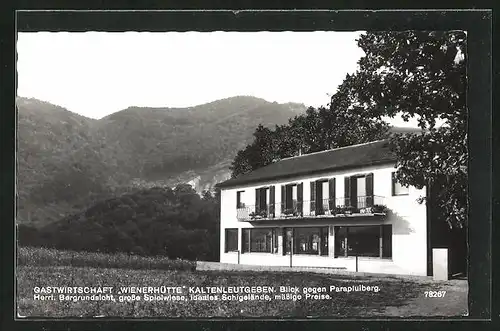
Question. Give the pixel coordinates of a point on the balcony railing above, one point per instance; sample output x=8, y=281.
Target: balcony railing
x=363, y=205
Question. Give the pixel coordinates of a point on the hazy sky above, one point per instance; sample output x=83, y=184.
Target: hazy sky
x=98, y=73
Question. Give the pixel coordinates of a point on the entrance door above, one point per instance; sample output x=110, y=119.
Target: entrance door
x=361, y=192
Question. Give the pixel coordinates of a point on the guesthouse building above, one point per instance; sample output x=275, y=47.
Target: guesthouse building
x=340, y=208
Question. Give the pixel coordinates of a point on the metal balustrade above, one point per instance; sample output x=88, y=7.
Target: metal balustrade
x=361, y=205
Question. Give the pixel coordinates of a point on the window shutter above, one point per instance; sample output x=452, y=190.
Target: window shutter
x=289, y=196
x=300, y=197
x=283, y=198
x=313, y=196
x=257, y=200
x=347, y=191
x=331, y=187
x=271, y=201
x=319, y=197
x=369, y=190
x=354, y=191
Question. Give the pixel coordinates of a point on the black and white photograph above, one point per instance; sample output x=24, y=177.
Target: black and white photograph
x=242, y=174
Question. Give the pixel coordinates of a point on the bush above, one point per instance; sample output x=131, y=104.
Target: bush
x=153, y=222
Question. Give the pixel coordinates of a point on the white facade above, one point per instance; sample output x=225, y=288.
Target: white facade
x=408, y=237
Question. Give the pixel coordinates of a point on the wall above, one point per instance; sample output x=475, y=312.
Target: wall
x=408, y=219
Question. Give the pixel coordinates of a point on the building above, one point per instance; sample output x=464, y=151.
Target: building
x=340, y=208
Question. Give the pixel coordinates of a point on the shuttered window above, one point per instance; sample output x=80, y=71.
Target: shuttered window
x=261, y=203
x=292, y=196
x=358, y=191
x=313, y=196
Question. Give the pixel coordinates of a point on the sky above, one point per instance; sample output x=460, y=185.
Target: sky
x=98, y=73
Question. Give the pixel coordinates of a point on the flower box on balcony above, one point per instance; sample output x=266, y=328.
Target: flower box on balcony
x=350, y=210
x=336, y=210
x=378, y=209
x=290, y=213
x=258, y=215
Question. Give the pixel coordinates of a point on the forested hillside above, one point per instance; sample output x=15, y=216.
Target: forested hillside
x=165, y=141
x=60, y=162
x=66, y=162
x=176, y=222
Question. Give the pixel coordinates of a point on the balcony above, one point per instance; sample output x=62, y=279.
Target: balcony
x=293, y=209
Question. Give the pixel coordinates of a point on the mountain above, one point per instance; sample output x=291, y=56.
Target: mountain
x=164, y=141
x=67, y=162
x=50, y=142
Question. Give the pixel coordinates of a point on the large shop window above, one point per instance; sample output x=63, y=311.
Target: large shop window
x=310, y=241
x=260, y=240
x=371, y=241
x=231, y=240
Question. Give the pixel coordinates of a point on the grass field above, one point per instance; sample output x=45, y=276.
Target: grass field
x=393, y=298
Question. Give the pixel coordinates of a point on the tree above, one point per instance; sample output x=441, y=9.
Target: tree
x=316, y=130
x=157, y=221
x=258, y=154
x=420, y=75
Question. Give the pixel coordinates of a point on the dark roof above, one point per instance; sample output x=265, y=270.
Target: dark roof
x=377, y=152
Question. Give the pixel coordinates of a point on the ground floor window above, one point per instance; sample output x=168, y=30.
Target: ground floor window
x=306, y=240
x=260, y=240
x=231, y=240
x=371, y=241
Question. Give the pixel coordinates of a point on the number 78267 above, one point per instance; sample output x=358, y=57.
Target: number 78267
x=434, y=294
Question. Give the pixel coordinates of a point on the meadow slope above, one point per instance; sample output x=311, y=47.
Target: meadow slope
x=396, y=297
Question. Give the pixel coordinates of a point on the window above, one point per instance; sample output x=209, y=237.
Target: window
x=397, y=188
x=239, y=196
x=275, y=241
x=291, y=199
x=261, y=200
x=310, y=241
x=322, y=196
x=260, y=240
x=231, y=240
x=371, y=241
x=358, y=191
